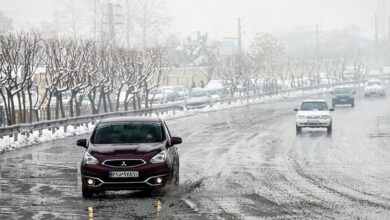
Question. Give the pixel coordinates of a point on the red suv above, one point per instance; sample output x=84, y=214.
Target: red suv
x=129, y=153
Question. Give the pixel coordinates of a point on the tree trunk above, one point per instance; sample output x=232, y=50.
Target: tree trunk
x=147, y=99
x=93, y=106
x=5, y=107
x=103, y=95
x=109, y=102
x=71, y=114
x=78, y=104
x=126, y=102
x=30, y=106
x=118, y=98
x=12, y=108
x=57, y=108
x=24, y=107
x=138, y=100
x=134, y=102
x=48, y=113
x=20, y=108
x=62, y=110
x=36, y=115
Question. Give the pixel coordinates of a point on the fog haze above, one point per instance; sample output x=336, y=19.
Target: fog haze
x=218, y=17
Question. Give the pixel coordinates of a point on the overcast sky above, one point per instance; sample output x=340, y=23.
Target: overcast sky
x=274, y=15
x=219, y=17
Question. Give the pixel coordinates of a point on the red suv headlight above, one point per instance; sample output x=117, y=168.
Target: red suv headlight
x=160, y=157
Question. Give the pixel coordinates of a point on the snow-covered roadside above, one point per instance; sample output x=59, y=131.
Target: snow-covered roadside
x=8, y=143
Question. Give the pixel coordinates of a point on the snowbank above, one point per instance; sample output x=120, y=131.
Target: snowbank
x=8, y=143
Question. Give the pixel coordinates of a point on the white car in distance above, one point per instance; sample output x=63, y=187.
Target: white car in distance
x=313, y=114
x=198, y=98
x=158, y=96
x=374, y=87
x=219, y=86
x=213, y=95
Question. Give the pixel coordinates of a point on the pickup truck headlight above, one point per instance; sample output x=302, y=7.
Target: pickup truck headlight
x=325, y=117
x=89, y=159
x=160, y=157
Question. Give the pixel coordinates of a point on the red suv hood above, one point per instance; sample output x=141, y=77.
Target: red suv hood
x=124, y=149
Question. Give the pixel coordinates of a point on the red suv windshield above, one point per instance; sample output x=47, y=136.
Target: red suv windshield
x=128, y=132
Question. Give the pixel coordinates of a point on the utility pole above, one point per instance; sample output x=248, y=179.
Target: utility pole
x=94, y=21
x=388, y=29
x=239, y=45
x=127, y=24
x=239, y=35
x=111, y=24
x=144, y=24
x=376, y=38
x=73, y=21
x=317, y=43
x=102, y=21
x=318, y=52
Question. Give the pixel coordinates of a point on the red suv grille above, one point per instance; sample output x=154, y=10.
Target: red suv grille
x=123, y=163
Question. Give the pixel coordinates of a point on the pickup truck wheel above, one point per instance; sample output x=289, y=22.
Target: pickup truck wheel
x=298, y=129
x=329, y=129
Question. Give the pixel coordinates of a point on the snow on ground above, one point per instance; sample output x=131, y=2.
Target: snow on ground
x=7, y=143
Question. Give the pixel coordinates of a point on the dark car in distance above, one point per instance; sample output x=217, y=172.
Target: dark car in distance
x=343, y=96
x=129, y=153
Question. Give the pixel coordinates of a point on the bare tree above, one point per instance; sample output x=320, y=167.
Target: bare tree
x=10, y=48
x=57, y=73
x=232, y=73
x=265, y=51
x=78, y=74
x=32, y=57
x=213, y=60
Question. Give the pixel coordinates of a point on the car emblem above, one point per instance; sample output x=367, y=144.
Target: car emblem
x=124, y=164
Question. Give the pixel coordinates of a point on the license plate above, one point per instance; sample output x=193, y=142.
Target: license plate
x=314, y=121
x=343, y=100
x=124, y=174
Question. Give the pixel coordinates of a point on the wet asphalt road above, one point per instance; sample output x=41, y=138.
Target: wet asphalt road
x=241, y=163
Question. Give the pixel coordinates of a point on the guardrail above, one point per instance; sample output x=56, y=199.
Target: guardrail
x=286, y=91
x=53, y=125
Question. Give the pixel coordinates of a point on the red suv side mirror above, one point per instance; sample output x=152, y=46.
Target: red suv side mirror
x=176, y=140
x=82, y=143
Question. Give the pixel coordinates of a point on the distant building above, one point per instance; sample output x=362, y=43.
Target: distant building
x=228, y=47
